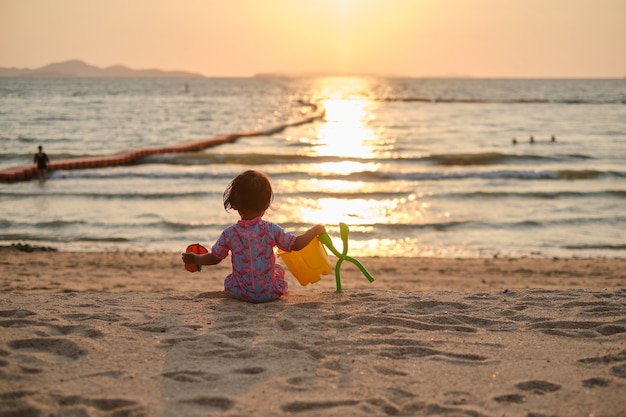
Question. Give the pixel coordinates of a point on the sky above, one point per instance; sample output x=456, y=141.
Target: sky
x=240, y=38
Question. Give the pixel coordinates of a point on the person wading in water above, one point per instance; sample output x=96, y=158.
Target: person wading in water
x=42, y=160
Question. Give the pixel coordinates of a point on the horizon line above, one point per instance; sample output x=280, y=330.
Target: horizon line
x=276, y=74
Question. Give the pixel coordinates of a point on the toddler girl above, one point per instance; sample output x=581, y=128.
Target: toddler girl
x=255, y=276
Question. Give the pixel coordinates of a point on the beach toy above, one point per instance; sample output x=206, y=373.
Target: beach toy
x=344, y=232
x=198, y=249
x=308, y=263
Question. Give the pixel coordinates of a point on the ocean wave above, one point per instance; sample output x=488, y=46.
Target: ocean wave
x=361, y=176
x=50, y=230
x=263, y=159
x=366, y=229
x=548, y=195
x=488, y=158
x=155, y=195
x=434, y=100
x=587, y=174
x=497, y=174
x=60, y=118
x=451, y=159
x=38, y=237
x=343, y=195
x=112, y=173
x=602, y=247
x=202, y=158
x=27, y=139
x=142, y=234
x=375, y=194
x=47, y=140
x=387, y=229
x=466, y=100
x=57, y=224
x=559, y=222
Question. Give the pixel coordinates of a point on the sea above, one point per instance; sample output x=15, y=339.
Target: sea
x=464, y=168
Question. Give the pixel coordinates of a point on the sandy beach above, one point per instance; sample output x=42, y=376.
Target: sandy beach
x=134, y=334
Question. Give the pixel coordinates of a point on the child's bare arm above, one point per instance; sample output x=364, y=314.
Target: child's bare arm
x=205, y=259
x=306, y=237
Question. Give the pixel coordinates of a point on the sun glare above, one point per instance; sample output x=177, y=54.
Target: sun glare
x=347, y=136
x=346, y=131
x=344, y=167
x=354, y=212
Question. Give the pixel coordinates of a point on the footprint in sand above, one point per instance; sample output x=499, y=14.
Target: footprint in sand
x=619, y=371
x=538, y=387
x=615, y=370
x=300, y=383
x=533, y=387
x=388, y=371
x=18, y=314
x=210, y=403
x=17, y=320
x=617, y=357
x=596, y=383
x=56, y=346
x=16, y=404
x=191, y=376
x=77, y=405
x=580, y=329
x=253, y=370
x=239, y=334
x=81, y=330
x=510, y=399
x=315, y=406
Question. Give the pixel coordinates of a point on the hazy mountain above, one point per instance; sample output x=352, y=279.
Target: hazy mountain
x=76, y=68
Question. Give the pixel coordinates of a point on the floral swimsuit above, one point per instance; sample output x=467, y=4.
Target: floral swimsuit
x=255, y=276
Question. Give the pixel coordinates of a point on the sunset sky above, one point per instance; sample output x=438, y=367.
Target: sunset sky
x=416, y=38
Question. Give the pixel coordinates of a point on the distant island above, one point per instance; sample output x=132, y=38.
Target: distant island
x=80, y=69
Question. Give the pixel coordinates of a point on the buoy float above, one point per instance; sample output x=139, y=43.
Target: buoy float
x=26, y=172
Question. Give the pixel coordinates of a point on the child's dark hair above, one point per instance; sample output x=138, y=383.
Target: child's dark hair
x=249, y=191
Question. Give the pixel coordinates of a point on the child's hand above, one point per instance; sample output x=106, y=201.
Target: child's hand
x=304, y=239
x=189, y=258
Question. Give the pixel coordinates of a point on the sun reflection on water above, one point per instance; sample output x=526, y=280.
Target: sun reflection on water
x=345, y=133
x=348, y=185
x=344, y=168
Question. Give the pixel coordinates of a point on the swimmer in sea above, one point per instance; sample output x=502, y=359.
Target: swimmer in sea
x=42, y=160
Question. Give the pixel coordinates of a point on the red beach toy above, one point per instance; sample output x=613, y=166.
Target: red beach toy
x=198, y=249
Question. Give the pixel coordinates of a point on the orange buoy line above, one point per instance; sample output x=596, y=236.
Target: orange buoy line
x=26, y=172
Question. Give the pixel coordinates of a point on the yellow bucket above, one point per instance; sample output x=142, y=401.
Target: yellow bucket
x=308, y=263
